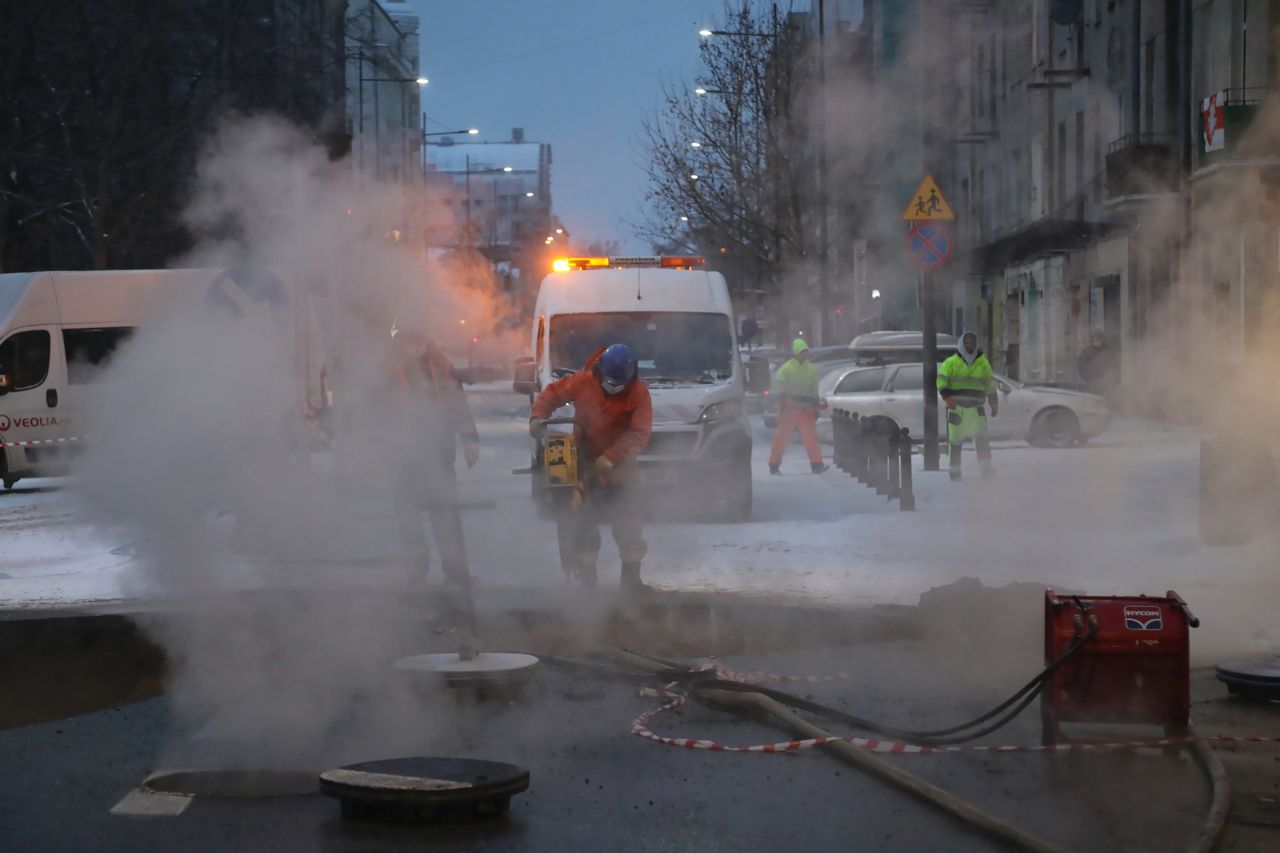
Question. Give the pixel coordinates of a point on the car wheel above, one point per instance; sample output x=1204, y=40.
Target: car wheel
x=1055, y=427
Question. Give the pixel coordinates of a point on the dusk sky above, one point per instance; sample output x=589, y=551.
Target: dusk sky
x=579, y=74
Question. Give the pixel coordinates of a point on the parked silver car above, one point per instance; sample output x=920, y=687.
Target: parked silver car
x=1045, y=417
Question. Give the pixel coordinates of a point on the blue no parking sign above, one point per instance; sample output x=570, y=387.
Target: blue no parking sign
x=929, y=244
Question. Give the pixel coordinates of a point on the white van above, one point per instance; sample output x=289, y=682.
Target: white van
x=679, y=321
x=59, y=329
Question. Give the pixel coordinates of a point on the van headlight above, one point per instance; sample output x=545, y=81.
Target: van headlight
x=722, y=411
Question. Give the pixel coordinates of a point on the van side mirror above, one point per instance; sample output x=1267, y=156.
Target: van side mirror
x=526, y=376
x=4, y=381
x=757, y=378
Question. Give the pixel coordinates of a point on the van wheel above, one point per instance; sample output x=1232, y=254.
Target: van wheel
x=736, y=503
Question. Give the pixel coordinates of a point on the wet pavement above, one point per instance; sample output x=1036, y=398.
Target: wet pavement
x=71, y=784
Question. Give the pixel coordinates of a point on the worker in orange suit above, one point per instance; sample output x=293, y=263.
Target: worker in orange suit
x=795, y=387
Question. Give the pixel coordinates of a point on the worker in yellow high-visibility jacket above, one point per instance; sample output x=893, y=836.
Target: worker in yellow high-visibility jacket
x=966, y=384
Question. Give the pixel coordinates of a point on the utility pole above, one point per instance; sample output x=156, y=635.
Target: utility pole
x=929, y=350
x=824, y=220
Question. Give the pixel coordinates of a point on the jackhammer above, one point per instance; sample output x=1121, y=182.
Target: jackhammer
x=558, y=484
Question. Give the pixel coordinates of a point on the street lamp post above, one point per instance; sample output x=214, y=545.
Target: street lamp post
x=706, y=33
x=362, y=58
x=471, y=131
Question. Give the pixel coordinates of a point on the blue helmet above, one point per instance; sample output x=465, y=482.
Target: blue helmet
x=617, y=367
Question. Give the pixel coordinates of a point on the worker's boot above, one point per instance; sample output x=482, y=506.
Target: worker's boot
x=631, y=583
x=776, y=470
x=818, y=467
x=586, y=571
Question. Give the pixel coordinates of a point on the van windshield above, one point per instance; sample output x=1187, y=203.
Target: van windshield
x=670, y=346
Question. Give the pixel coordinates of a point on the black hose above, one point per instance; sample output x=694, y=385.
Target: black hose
x=1024, y=696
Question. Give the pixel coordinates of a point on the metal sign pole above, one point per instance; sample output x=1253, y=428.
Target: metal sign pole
x=929, y=344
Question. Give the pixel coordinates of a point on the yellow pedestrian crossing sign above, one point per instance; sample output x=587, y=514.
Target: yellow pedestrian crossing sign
x=928, y=203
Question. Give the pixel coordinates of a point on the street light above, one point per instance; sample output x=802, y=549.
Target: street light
x=703, y=90
x=471, y=131
x=695, y=144
x=693, y=177
x=705, y=33
x=529, y=194
x=363, y=57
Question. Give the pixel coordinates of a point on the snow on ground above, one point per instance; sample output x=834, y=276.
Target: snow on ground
x=1115, y=517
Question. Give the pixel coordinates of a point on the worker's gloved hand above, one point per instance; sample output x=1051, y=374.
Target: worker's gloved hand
x=603, y=465
x=949, y=402
x=471, y=452
x=537, y=428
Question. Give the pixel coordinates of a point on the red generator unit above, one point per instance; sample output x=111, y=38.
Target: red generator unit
x=1131, y=663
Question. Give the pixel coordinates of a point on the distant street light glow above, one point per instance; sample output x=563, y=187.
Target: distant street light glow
x=705, y=33
x=422, y=81
x=528, y=195
x=506, y=168
x=693, y=177
x=684, y=219
x=473, y=131
x=700, y=91
x=875, y=294
x=695, y=144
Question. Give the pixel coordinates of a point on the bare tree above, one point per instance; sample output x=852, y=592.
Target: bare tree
x=103, y=107
x=721, y=179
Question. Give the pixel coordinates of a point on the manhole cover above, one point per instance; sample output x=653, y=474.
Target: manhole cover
x=422, y=790
x=234, y=783
x=1252, y=677
x=484, y=668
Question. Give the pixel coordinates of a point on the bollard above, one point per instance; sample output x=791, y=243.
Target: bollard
x=895, y=447
x=880, y=459
x=840, y=438
x=874, y=461
x=857, y=450
x=906, y=494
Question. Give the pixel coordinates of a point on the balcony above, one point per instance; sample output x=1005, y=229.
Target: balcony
x=1238, y=148
x=1141, y=164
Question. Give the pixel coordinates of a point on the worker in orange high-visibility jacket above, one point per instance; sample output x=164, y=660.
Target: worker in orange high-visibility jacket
x=613, y=416
x=795, y=387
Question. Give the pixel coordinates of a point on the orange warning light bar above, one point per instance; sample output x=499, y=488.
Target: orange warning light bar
x=566, y=264
x=684, y=262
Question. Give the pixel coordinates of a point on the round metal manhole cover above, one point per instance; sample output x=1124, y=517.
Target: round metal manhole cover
x=424, y=790
x=234, y=783
x=486, y=667
x=1252, y=677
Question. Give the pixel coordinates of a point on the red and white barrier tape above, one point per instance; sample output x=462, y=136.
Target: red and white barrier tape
x=640, y=728
x=38, y=442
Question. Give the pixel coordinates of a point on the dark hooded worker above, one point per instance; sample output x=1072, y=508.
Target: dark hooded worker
x=966, y=384
x=430, y=414
x=613, y=419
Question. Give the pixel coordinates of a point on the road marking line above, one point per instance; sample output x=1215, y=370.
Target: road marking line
x=150, y=804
